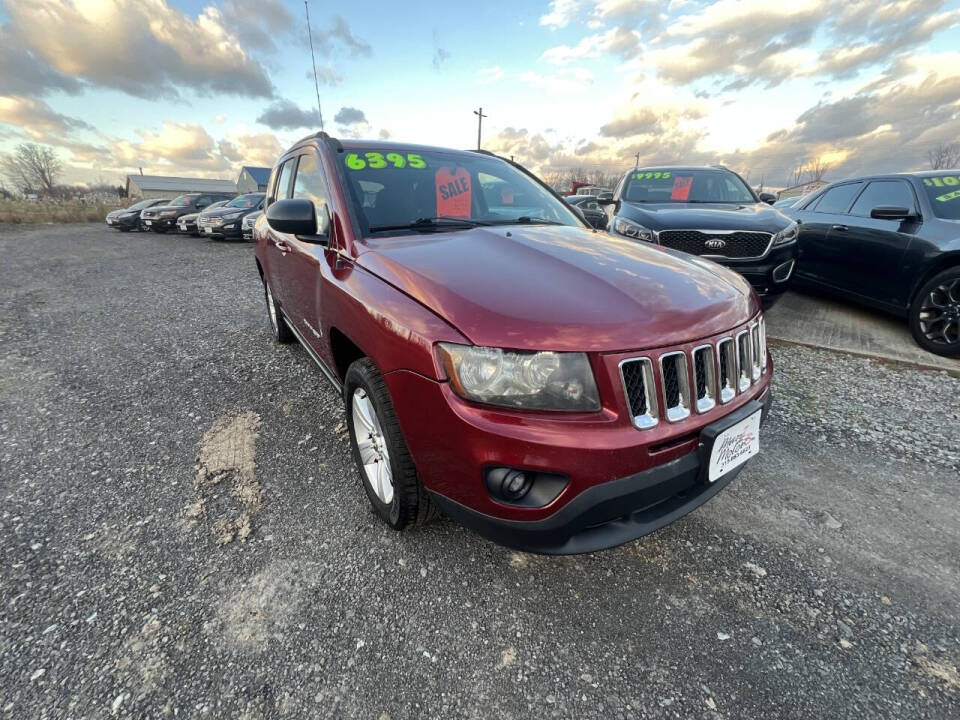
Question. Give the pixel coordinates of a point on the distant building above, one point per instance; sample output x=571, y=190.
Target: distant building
x=146, y=187
x=253, y=179
x=801, y=189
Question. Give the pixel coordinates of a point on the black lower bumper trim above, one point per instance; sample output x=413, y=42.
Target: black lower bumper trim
x=611, y=513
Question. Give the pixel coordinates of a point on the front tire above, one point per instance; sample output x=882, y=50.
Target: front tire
x=278, y=324
x=386, y=469
x=935, y=314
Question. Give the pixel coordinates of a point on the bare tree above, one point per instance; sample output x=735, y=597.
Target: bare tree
x=944, y=156
x=798, y=174
x=32, y=168
x=816, y=169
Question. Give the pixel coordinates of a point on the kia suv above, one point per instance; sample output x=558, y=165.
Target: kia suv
x=556, y=389
x=710, y=212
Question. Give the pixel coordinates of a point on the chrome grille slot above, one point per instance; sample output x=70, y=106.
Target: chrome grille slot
x=744, y=360
x=727, y=358
x=755, y=351
x=705, y=378
x=676, y=386
x=763, y=345
x=641, y=390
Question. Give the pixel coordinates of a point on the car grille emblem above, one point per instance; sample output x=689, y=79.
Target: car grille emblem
x=715, y=243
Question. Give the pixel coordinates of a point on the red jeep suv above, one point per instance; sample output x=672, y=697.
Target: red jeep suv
x=554, y=388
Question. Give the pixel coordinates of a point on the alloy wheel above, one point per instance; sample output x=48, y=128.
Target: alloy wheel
x=372, y=446
x=940, y=313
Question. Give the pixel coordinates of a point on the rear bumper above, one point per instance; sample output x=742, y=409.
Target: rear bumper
x=611, y=513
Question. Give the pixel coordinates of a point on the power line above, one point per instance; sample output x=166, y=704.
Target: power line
x=313, y=57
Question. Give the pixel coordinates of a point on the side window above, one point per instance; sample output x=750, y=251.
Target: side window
x=592, y=205
x=282, y=190
x=309, y=183
x=893, y=193
x=838, y=199
x=202, y=201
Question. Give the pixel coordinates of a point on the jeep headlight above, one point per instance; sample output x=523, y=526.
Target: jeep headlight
x=634, y=230
x=516, y=379
x=787, y=235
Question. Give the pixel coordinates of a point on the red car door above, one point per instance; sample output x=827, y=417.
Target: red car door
x=307, y=266
x=276, y=246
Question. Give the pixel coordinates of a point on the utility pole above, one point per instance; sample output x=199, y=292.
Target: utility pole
x=316, y=83
x=636, y=164
x=480, y=117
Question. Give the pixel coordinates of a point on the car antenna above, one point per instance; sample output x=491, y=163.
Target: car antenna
x=313, y=57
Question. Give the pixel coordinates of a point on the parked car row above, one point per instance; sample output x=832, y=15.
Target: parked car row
x=891, y=242
x=219, y=216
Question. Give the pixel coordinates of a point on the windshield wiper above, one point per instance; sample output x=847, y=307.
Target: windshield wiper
x=431, y=223
x=526, y=220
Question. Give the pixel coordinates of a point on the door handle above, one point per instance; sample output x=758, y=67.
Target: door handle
x=839, y=227
x=282, y=246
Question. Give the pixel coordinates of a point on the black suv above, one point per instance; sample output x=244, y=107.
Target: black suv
x=226, y=222
x=892, y=242
x=711, y=212
x=164, y=217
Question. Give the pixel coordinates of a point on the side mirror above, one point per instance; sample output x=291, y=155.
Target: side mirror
x=768, y=198
x=299, y=217
x=889, y=212
x=606, y=201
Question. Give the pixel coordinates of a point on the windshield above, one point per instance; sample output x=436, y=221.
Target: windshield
x=182, y=201
x=245, y=201
x=944, y=194
x=665, y=185
x=393, y=191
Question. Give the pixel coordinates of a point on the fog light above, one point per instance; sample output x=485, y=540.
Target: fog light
x=516, y=484
x=783, y=272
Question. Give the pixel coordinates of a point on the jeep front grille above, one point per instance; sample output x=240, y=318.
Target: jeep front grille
x=711, y=374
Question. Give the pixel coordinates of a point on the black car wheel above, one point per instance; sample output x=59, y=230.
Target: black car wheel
x=278, y=324
x=386, y=469
x=935, y=314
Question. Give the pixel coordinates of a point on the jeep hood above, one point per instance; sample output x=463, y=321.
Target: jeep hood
x=706, y=216
x=561, y=288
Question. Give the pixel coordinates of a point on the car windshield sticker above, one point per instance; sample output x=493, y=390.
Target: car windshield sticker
x=944, y=181
x=681, y=188
x=376, y=161
x=652, y=175
x=453, y=192
x=506, y=196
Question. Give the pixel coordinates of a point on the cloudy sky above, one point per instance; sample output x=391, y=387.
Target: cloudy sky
x=204, y=86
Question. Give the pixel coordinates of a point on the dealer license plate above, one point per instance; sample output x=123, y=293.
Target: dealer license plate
x=109, y=221
x=148, y=222
x=734, y=446
x=208, y=231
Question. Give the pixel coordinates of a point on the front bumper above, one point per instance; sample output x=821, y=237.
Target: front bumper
x=769, y=275
x=228, y=231
x=621, y=483
x=612, y=513
x=163, y=223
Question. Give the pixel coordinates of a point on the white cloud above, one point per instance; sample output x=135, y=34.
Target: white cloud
x=562, y=13
x=561, y=82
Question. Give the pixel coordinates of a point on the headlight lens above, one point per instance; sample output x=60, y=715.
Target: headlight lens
x=169, y=212
x=787, y=235
x=634, y=230
x=528, y=380
x=232, y=216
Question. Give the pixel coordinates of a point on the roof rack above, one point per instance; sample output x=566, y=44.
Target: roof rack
x=321, y=135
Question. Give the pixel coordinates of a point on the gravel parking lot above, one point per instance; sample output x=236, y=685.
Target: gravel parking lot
x=182, y=533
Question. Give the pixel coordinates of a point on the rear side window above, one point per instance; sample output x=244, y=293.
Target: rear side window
x=943, y=191
x=890, y=193
x=838, y=199
x=309, y=182
x=282, y=191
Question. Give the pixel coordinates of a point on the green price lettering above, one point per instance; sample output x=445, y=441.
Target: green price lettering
x=949, y=196
x=376, y=161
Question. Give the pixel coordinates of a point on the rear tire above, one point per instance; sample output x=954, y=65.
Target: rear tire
x=278, y=324
x=935, y=314
x=386, y=469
